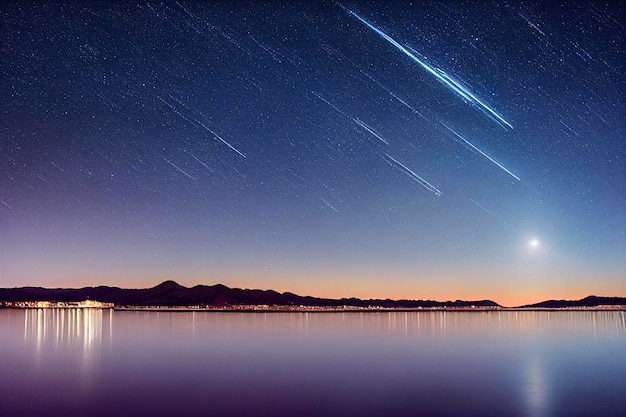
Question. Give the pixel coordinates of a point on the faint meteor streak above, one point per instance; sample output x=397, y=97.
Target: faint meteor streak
x=452, y=84
x=131, y=165
x=414, y=176
x=392, y=94
x=408, y=105
x=178, y=169
x=357, y=121
x=597, y=115
x=197, y=122
x=222, y=139
x=370, y=130
x=465, y=141
x=185, y=10
x=330, y=104
x=330, y=206
x=5, y=204
x=199, y=161
x=568, y=128
x=482, y=208
x=531, y=24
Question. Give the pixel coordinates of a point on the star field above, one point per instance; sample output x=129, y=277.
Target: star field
x=335, y=149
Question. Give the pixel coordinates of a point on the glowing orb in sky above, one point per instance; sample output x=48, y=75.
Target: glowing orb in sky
x=533, y=243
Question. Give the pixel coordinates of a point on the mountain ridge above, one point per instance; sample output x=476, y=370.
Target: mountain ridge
x=170, y=293
x=589, y=301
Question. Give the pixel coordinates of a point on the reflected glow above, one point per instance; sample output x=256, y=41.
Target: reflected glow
x=449, y=364
x=535, y=388
x=64, y=327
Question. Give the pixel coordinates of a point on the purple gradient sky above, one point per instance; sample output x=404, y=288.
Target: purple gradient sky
x=217, y=143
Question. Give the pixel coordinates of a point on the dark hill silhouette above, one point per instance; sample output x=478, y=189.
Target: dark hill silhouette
x=591, y=301
x=170, y=293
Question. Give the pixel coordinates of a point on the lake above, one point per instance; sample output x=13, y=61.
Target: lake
x=76, y=362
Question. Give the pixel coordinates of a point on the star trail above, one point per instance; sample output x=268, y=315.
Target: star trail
x=401, y=150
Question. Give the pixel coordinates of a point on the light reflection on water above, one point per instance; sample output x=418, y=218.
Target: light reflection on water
x=536, y=387
x=75, y=330
x=367, y=364
x=64, y=326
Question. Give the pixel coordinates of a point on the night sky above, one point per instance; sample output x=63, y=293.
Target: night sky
x=419, y=150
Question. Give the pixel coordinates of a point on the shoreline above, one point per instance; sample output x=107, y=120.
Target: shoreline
x=312, y=309
x=362, y=310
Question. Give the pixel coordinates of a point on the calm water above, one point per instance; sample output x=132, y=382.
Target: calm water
x=97, y=363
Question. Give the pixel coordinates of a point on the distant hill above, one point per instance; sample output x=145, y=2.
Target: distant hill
x=591, y=301
x=170, y=293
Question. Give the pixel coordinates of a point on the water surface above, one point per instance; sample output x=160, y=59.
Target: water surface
x=77, y=362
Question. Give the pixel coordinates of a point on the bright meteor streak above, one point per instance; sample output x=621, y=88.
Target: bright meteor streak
x=480, y=152
x=452, y=84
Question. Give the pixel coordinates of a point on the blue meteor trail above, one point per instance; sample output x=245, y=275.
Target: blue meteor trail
x=452, y=84
x=480, y=152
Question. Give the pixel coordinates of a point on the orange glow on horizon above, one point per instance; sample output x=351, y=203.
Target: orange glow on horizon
x=507, y=289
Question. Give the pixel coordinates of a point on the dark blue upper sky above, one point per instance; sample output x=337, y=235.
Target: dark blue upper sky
x=410, y=150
